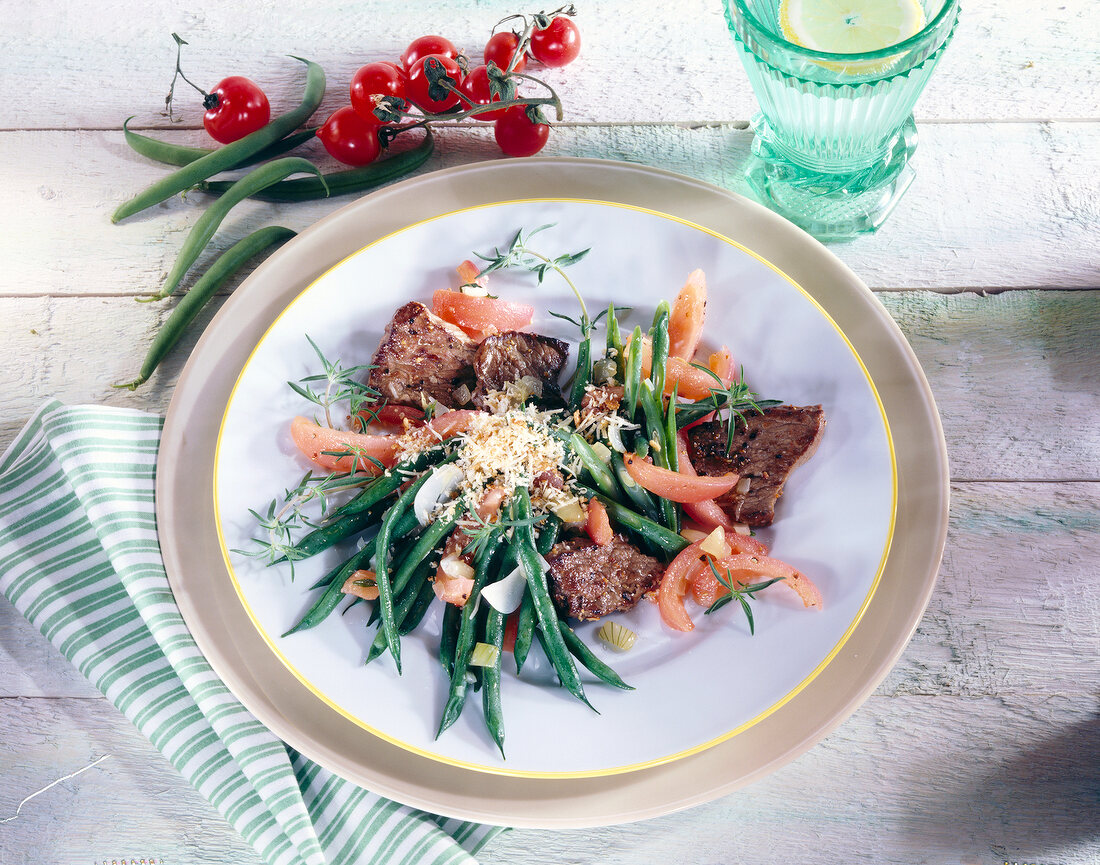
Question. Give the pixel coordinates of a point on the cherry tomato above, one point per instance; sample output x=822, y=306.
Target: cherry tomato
x=382, y=78
x=517, y=135
x=558, y=44
x=500, y=48
x=418, y=86
x=350, y=137
x=420, y=48
x=235, y=108
x=475, y=86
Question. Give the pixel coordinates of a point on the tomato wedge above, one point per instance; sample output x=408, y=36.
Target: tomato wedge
x=318, y=443
x=722, y=365
x=690, y=382
x=480, y=316
x=677, y=486
x=598, y=525
x=674, y=585
x=708, y=512
x=685, y=322
x=744, y=566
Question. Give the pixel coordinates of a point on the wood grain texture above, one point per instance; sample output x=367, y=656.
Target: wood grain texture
x=639, y=60
x=1027, y=219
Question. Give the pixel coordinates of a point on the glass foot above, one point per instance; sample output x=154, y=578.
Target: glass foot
x=830, y=206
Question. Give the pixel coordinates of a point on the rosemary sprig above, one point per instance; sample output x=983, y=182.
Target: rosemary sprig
x=480, y=531
x=743, y=594
x=735, y=399
x=341, y=385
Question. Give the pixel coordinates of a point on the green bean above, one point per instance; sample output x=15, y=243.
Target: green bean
x=655, y=426
x=382, y=564
x=669, y=542
x=639, y=496
x=596, y=467
x=211, y=218
x=659, y=338
x=583, y=376
x=338, y=182
x=332, y=596
x=179, y=154
x=490, y=679
x=549, y=530
x=231, y=154
x=670, y=432
x=615, y=343
x=392, y=480
x=633, y=375
x=227, y=264
x=588, y=658
x=448, y=637
x=525, y=630
x=483, y=563
x=409, y=609
x=524, y=543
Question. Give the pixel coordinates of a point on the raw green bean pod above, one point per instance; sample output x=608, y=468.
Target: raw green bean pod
x=583, y=376
x=525, y=630
x=227, y=264
x=338, y=182
x=394, y=478
x=211, y=218
x=231, y=154
x=589, y=659
x=180, y=154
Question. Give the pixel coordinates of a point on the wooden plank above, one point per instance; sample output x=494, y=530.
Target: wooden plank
x=1028, y=219
x=661, y=62
x=941, y=779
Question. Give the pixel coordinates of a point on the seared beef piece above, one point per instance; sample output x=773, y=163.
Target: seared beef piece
x=766, y=449
x=421, y=354
x=508, y=357
x=589, y=581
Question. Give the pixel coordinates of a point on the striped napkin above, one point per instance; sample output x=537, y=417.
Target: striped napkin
x=79, y=559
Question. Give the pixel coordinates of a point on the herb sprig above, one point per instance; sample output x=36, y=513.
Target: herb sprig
x=341, y=386
x=743, y=594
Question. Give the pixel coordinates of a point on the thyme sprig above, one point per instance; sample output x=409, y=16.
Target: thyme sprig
x=520, y=255
x=743, y=594
x=480, y=531
x=287, y=514
x=341, y=385
x=735, y=399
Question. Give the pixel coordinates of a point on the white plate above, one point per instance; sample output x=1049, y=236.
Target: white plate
x=692, y=690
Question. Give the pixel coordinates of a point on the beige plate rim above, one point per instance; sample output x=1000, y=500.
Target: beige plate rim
x=239, y=655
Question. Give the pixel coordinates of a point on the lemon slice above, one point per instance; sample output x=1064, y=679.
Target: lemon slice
x=849, y=26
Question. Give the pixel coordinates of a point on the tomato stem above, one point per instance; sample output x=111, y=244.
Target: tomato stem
x=180, y=42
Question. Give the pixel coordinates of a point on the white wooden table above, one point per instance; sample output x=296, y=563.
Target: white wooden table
x=982, y=746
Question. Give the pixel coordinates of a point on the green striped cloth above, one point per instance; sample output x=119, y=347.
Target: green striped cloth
x=79, y=559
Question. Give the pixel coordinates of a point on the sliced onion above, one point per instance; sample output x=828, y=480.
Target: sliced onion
x=743, y=485
x=742, y=528
x=615, y=437
x=461, y=394
x=506, y=594
x=438, y=488
x=570, y=512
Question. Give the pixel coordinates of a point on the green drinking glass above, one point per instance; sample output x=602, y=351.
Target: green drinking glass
x=835, y=133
